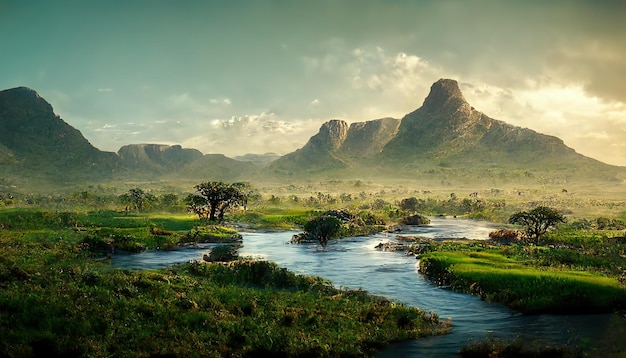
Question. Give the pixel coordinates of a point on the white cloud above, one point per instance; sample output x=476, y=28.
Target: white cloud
x=251, y=133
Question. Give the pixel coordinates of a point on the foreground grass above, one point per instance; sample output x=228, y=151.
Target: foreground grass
x=54, y=301
x=494, y=277
x=573, y=271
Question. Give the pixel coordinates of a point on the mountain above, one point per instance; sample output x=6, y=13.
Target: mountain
x=260, y=159
x=37, y=147
x=338, y=146
x=319, y=153
x=34, y=140
x=218, y=167
x=448, y=129
x=157, y=158
x=445, y=137
x=444, y=141
x=366, y=139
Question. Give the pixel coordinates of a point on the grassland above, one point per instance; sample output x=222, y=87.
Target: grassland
x=572, y=271
x=57, y=299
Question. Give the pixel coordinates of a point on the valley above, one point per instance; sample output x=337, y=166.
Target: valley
x=69, y=211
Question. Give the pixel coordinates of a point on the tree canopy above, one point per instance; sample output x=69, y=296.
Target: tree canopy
x=212, y=199
x=323, y=228
x=136, y=198
x=537, y=221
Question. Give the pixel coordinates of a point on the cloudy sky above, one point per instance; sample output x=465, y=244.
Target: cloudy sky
x=258, y=76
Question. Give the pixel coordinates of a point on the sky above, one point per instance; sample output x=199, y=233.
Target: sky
x=259, y=76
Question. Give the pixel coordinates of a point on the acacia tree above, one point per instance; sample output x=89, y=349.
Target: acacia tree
x=213, y=199
x=537, y=221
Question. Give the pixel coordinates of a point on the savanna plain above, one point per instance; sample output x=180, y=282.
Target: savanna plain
x=61, y=296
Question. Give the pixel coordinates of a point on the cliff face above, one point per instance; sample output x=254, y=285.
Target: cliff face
x=157, y=157
x=366, y=139
x=338, y=145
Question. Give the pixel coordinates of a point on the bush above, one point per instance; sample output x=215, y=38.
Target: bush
x=223, y=253
x=323, y=228
x=504, y=236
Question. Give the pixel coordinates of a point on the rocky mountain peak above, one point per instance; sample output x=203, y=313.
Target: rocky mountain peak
x=444, y=94
x=41, y=141
x=23, y=99
x=332, y=134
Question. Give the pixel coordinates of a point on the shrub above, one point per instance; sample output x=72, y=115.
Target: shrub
x=504, y=236
x=323, y=228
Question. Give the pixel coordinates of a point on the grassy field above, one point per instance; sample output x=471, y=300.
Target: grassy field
x=494, y=277
x=55, y=300
x=572, y=271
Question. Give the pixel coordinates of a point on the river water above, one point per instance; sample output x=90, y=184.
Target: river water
x=355, y=263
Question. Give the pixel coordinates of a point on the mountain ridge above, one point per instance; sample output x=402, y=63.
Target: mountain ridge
x=445, y=132
x=37, y=140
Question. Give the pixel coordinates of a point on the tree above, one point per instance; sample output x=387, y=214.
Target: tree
x=323, y=228
x=409, y=204
x=537, y=221
x=213, y=199
x=135, y=198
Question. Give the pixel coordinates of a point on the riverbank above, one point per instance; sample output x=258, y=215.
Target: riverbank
x=56, y=301
x=531, y=279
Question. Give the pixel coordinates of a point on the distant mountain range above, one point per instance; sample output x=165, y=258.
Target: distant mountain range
x=444, y=134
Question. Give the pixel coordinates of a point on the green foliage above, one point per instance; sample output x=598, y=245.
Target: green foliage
x=54, y=302
x=273, y=218
x=137, y=199
x=323, y=228
x=537, y=221
x=494, y=275
x=213, y=199
x=498, y=348
x=223, y=253
x=409, y=204
x=211, y=233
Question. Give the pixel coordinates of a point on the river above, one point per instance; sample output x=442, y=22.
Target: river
x=355, y=263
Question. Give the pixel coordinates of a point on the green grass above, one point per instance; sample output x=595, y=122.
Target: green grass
x=273, y=218
x=494, y=276
x=54, y=301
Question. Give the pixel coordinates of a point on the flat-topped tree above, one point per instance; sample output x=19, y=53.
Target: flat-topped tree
x=213, y=199
x=537, y=221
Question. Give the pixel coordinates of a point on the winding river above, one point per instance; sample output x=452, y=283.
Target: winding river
x=354, y=263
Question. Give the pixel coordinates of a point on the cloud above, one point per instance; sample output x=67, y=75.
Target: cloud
x=595, y=64
x=251, y=133
x=368, y=82
x=590, y=125
x=105, y=90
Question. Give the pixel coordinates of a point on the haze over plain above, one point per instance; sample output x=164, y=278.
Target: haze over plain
x=262, y=76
